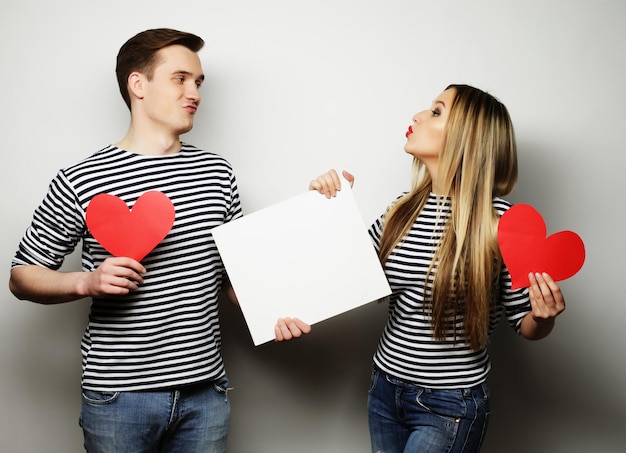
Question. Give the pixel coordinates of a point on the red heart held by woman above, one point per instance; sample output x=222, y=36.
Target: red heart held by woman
x=525, y=247
x=135, y=233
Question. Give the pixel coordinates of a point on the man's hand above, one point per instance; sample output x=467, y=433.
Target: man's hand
x=289, y=328
x=114, y=277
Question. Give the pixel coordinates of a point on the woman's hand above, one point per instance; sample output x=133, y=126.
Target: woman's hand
x=329, y=183
x=545, y=297
x=547, y=302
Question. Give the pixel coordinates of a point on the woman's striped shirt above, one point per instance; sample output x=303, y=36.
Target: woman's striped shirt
x=407, y=349
x=167, y=332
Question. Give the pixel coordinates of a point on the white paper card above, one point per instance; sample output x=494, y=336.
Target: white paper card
x=307, y=257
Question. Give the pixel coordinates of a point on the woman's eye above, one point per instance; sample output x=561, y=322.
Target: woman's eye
x=436, y=112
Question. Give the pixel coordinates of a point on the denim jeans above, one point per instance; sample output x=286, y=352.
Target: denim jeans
x=408, y=418
x=188, y=419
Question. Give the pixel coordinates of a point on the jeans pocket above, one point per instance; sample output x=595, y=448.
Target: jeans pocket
x=221, y=386
x=445, y=403
x=373, y=381
x=99, y=398
x=482, y=398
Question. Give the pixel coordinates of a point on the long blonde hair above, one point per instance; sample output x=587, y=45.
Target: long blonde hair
x=477, y=162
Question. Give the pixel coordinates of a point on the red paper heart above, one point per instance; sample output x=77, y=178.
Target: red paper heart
x=525, y=248
x=129, y=233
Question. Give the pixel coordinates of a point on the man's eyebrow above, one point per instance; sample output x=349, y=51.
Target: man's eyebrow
x=187, y=73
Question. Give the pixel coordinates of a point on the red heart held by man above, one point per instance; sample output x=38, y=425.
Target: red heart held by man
x=525, y=247
x=127, y=233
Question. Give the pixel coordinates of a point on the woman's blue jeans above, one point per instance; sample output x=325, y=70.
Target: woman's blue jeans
x=407, y=418
x=187, y=419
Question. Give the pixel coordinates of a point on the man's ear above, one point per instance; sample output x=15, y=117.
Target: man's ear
x=136, y=82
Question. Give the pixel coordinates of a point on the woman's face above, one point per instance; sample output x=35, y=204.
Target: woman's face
x=425, y=135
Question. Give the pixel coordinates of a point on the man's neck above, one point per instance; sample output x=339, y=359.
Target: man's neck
x=151, y=143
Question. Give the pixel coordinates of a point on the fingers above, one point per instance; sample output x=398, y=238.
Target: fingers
x=289, y=328
x=349, y=177
x=281, y=331
x=124, y=267
x=302, y=326
x=116, y=276
x=327, y=184
x=546, y=297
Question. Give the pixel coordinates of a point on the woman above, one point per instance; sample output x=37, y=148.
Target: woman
x=438, y=245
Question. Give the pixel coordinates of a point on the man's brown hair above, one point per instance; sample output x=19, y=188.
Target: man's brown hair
x=139, y=53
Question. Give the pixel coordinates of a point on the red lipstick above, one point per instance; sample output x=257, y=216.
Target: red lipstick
x=409, y=132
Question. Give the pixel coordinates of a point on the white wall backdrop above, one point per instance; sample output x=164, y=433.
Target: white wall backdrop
x=294, y=88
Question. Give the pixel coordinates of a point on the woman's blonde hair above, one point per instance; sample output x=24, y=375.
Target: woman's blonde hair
x=477, y=162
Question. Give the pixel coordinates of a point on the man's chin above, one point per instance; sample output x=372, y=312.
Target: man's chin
x=184, y=130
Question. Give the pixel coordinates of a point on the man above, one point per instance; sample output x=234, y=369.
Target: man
x=153, y=377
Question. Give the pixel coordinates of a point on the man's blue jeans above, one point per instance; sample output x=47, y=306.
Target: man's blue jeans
x=188, y=419
x=407, y=418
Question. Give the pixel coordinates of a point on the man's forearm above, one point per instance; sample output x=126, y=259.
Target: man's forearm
x=45, y=286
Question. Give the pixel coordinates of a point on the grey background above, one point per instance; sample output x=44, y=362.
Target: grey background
x=294, y=88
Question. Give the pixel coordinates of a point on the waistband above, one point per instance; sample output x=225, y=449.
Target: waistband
x=465, y=391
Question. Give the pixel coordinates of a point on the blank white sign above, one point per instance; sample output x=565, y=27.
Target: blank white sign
x=308, y=257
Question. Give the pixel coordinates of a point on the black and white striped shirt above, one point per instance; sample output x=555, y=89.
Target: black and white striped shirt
x=407, y=348
x=167, y=332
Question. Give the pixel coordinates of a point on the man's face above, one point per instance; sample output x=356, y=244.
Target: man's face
x=171, y=98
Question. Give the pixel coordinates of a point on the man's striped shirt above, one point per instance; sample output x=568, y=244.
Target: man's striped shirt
x=167, y=332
